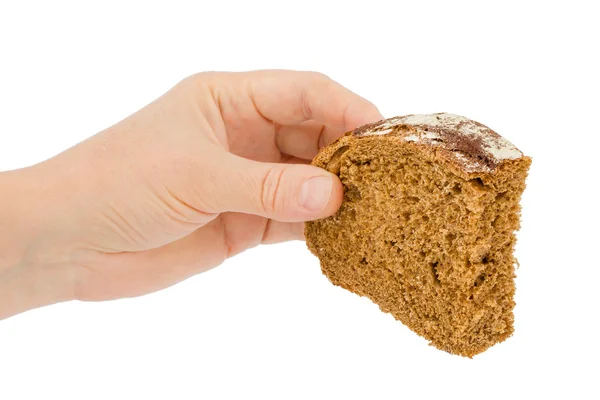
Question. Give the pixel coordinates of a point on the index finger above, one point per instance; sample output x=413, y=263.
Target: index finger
x=292, y=97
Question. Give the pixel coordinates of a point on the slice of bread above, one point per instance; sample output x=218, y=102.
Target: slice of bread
x=426, y=228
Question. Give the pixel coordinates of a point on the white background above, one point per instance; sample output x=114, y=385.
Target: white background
x=267, y=323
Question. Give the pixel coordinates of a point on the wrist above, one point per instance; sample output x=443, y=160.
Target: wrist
x=34, y=268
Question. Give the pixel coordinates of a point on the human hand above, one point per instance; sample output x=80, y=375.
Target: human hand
x=211, y=168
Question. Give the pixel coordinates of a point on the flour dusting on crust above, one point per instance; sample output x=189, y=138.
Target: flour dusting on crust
x=473, y=145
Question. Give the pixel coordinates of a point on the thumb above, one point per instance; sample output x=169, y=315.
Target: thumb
x=283, y=192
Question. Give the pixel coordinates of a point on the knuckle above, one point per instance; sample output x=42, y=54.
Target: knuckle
x=272, y=195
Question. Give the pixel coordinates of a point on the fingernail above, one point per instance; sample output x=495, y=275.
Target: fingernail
x=315, y=193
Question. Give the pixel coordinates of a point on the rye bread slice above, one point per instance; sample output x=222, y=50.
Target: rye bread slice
x=427, y=226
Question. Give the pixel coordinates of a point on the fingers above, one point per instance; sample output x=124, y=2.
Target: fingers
x=244, y=231
x=304, y=140
x=291, y=97
x=277, y=232
x=111, y=275
x=131, y=274
x=301, y=140
x=284, y=192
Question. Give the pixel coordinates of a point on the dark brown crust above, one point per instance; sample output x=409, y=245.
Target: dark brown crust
x=367, y=127
x=474, y=151
x=471, y=147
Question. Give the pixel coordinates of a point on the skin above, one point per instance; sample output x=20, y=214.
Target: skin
x=217, y=165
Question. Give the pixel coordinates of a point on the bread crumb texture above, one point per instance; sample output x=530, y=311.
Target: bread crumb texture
x=427, y=226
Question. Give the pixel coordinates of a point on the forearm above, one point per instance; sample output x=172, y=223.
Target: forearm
x=33, y=272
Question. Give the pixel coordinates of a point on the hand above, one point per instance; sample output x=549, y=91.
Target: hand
x=215, y=166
